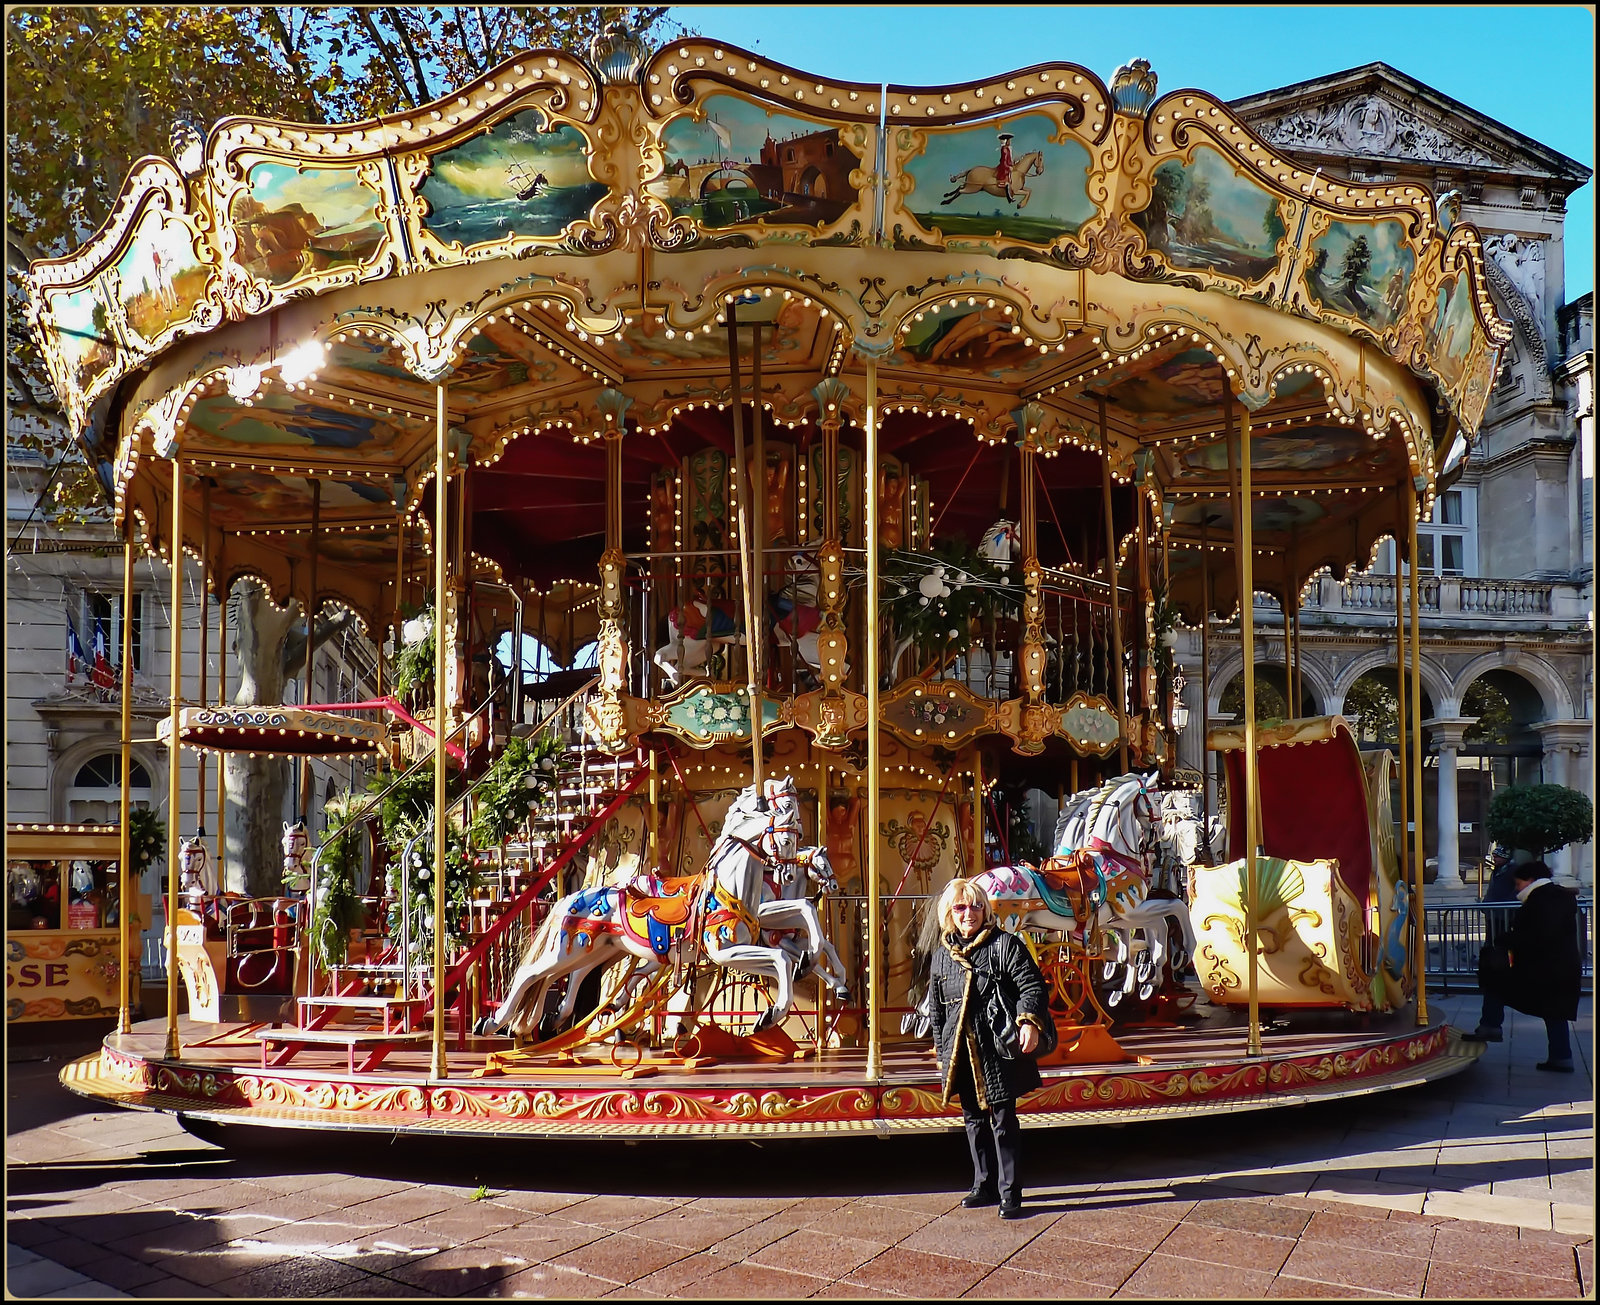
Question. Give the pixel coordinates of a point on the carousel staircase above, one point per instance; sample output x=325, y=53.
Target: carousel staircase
x=375, y=1004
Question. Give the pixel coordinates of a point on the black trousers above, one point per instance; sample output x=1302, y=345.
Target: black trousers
x=993, y=1136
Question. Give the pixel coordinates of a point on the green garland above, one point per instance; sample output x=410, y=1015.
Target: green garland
x=411, y=669
x=147, y=838
x=933, y=598
x=517, y=782
x=337, y=909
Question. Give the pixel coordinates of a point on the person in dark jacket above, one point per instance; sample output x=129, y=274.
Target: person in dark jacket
x=1542, y=973
x=988, y=1005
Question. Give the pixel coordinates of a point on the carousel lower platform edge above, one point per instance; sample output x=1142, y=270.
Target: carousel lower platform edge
x=1173, y=1072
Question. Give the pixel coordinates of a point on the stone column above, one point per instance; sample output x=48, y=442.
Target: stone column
x=1445, y=734
x=1566, y=748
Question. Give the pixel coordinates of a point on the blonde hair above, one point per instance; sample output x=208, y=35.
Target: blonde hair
x=963, y=891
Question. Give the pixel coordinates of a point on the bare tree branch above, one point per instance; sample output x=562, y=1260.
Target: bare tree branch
x=389, y=56
x=396, y=20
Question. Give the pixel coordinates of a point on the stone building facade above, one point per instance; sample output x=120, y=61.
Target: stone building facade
x=1506, y=566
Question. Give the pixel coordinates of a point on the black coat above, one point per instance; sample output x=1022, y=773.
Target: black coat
x=961, y=995
x=1546, y=967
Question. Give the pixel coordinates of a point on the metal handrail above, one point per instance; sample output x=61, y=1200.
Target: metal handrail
x=1454, y=933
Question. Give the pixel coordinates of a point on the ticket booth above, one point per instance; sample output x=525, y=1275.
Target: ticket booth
x=64, y=885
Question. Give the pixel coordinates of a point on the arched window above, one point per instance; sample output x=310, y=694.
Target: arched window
x=95, y=796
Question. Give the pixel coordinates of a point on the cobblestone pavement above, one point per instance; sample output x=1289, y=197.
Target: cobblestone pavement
x=1479, y=1186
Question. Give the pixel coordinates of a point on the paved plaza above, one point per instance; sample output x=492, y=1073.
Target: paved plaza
x=1481, y=1185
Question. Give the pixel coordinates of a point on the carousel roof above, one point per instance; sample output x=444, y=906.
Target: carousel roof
x=555, y=248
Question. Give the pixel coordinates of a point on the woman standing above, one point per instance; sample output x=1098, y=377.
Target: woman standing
x=989, y=1007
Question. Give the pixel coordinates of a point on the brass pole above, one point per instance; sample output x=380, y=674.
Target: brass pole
x=441, y=724
x=752, y=654
x=978, y=867
x=874, y=749
x=1252, y=795
x=222, y=759
x=126, y=871
x=1402, y=731
x=756, y=487
x=1205, y=665
x=311, y=629
x=174, y=755
x=1416, y=754
x=1119, y=676
x=200, y=693
x=655, y=813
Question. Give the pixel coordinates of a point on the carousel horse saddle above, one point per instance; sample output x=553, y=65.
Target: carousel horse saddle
x=653, y=908
x=1070, y=885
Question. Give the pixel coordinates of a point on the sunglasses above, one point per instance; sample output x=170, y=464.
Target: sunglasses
x=966, y=906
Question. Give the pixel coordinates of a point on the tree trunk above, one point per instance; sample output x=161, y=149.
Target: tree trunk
x=256, y=786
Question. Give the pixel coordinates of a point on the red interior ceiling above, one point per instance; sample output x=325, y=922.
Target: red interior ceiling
x=540, y=510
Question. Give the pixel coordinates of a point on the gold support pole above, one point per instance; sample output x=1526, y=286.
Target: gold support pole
x=1402, y=729
x=126, y=873
x=1119, y=675
x=1252, y=795
x=978, y=866
x=749, y=566
x=874, y=759
x=205, y=614
x=1416, y=754
x=655, y=813
x=1205, y=663
x=222, y=758
x=441, y=555
x=311, y=629
x=174, y=755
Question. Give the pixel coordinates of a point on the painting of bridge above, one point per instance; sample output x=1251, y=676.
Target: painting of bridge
x=741, y=162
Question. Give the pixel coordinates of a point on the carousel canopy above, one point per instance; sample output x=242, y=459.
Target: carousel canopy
x=552, y=252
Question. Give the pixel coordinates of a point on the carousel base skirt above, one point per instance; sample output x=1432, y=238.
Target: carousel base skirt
x=1177, y=1072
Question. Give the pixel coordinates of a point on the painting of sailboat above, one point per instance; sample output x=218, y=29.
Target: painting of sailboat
x=523, y=178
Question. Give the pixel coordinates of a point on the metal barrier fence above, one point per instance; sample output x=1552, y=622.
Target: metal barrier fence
x=1456, y=933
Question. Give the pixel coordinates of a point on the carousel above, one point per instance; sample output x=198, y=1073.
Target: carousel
x=879, y=444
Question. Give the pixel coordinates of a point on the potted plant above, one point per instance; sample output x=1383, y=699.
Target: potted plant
x=1539, y=818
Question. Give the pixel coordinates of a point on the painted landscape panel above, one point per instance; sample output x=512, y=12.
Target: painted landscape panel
x=159, y=276
x=742, y=161
x=522, y=178
x=82, y=319
x=1362, y=268
x=293, y=222
x=1006, y=178
x=1450, y=340
x=1207, y=215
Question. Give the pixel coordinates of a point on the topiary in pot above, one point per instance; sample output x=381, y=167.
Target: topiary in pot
x=1540, y=818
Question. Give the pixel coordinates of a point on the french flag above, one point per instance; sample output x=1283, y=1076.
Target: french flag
x=75, y=655
x=103, y=676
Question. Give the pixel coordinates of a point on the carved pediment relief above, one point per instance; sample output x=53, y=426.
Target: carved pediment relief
x=1370, y=126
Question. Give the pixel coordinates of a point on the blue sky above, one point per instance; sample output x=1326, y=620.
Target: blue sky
x=1530, y=67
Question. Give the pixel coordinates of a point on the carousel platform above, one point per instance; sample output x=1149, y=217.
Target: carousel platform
x=1174, y=1072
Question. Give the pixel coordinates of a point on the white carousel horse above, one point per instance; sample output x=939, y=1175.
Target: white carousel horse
x=296, y=856
x=699, y=626
x=999, y=542
x=799, y=616
x=786, y=910
x=194, y=870
x=725, y=912
x=1105, y=845
x=980, y=180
